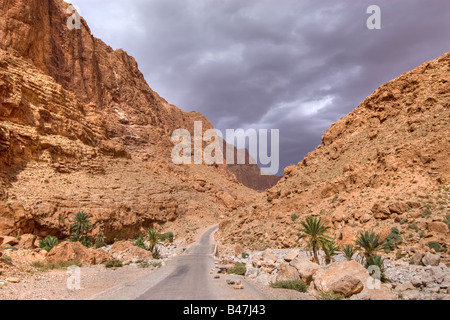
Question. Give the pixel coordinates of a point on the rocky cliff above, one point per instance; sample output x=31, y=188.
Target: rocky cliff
x=80, y=129
x=384, y=165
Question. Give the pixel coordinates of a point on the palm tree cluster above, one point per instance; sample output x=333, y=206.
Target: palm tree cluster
x=367, y=242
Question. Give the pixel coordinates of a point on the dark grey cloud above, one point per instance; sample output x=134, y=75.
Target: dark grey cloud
x=293, y=65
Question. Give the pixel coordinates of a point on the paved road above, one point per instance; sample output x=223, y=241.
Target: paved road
x=186, y=277
x=191, y=275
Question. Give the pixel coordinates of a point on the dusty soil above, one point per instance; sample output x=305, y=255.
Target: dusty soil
x=53, y=285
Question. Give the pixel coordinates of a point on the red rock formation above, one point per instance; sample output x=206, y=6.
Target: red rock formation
x=80, y=129
x=385, y=164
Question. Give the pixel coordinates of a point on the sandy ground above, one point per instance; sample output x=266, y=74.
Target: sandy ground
x=52, y=285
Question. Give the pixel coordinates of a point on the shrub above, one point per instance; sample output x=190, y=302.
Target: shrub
x=245, y=255
x=166, y=236
x=434, y=245
x=377, y=261
x=315, y=230
x=426, y=213
x=330, y=295
x=413, y=226
x=80, y=227
x=100, y=240
x=48, y=243
x=297, y=285
x=447, y=220
x=153, y=238
x=239, y=269
x=114, y=264
x=140, y=242
x=369, y=242
x=156, y=254
x=294, y=217
x=349, y=251
x=330, y=249
x=43, y=267
x=392, y=240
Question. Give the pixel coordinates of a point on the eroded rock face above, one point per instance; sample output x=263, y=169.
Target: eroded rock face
x=80, y=129
x=72, y=251
x=383, y=165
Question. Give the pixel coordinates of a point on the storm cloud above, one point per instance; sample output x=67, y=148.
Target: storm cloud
x=293, y=65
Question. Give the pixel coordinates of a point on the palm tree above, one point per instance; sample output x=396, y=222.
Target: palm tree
x=153, y=238
x=370, y=243
x=349, y=251
x=80, y=227
x=330, y=248
x=377, y=261
x=316, y=232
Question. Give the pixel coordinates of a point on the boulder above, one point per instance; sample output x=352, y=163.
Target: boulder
x=430, y=259
x=417, y=258
x=9, y=242
x=291, y=255
x=269, y=256
x=398, y=207
x=287, y=273
x=127, y=251
x=338, y=276
x=347, y=286
x=438, y=227
x=380, y=210
x=257, y=261
x=305, y=268
x=27, y=241
x=67, y=251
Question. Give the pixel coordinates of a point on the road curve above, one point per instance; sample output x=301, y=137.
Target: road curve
x=186, y=277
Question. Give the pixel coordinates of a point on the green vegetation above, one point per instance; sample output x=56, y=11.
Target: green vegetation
x=48, y=243
x=413, y=226
x=297, y=285
x=369, y=243
x=427, y=212
x=153, y=238
x=80, y=227
x=166, y=236
x=114, y=264
x=392, y=240
x=329, y=295
x=376, y=261
x=315, y=230
x=140, y=242
x=100, y=241
x=434, y=245
x=349, y=251
x=294, y=217
x=245, y=255
x=48, y=266
x=330, y=249
x=447, y=220
x=239, y=269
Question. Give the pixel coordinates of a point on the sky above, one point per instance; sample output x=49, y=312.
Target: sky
x=293, y=65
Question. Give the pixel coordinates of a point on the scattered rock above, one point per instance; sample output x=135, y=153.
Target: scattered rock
x=291, y=255
x=347, y=286
x=305, y=268
x=430, y=259
x=287, y=273
x=67, y=251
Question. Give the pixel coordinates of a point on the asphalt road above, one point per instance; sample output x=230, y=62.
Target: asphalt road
x=191, y=275
x=186, y=277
